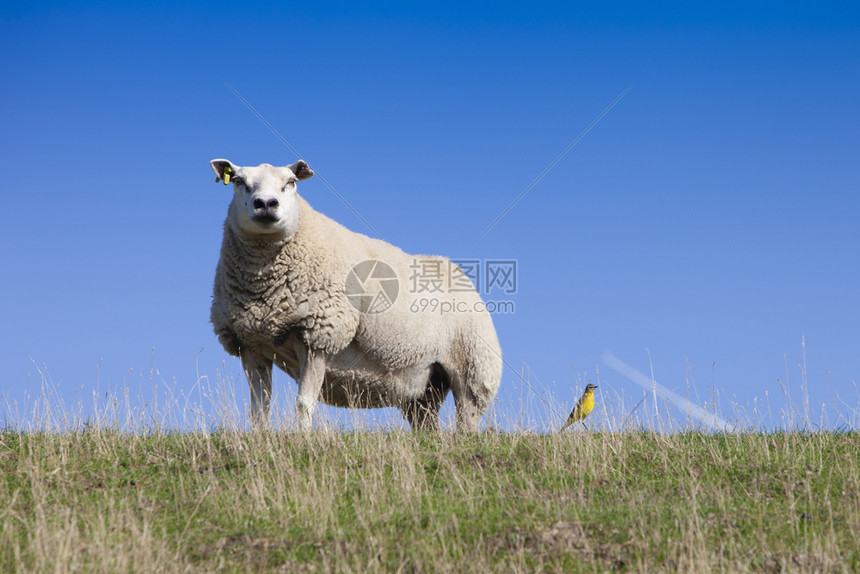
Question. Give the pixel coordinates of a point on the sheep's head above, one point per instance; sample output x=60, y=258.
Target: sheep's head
x=264, y=197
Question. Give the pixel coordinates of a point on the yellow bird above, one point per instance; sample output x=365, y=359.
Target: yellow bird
x=582, y=408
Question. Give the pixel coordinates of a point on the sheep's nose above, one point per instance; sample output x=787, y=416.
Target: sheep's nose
x=265, y=205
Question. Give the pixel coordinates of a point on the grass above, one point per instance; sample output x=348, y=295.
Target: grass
x=97, y=499
x=176, y=483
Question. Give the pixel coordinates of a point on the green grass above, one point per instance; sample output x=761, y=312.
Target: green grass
x=99, y=500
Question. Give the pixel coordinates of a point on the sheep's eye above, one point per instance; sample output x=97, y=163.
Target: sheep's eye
x=290, y=183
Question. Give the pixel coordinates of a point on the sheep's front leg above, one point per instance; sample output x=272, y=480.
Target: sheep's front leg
x=258, y=369
x=311, y=375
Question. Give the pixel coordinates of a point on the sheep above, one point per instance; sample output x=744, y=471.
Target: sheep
x=334, y=309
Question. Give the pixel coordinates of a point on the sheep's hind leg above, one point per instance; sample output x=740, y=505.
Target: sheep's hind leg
x=476, y=379
x=468, y=412
x=466, y=405
x=423, y=413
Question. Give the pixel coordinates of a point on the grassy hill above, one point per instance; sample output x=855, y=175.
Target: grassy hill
x=100, y=500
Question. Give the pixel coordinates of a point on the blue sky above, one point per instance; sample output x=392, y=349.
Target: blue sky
x=705, y=227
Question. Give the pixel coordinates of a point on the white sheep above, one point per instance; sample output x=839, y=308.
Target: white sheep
x=342, y=313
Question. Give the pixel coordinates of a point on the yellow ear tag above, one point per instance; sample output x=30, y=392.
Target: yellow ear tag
x=227, y=171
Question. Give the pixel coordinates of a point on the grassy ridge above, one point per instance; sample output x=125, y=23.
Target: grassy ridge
x=235, y=501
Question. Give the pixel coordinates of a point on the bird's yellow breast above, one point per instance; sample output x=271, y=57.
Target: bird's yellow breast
x=587, y=403
x=583, y=407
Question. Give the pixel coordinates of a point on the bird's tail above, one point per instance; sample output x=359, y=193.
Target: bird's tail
x=567, y=424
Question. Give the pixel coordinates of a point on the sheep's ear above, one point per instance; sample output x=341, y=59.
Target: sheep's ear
x=224, y=169
x=301, y=170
